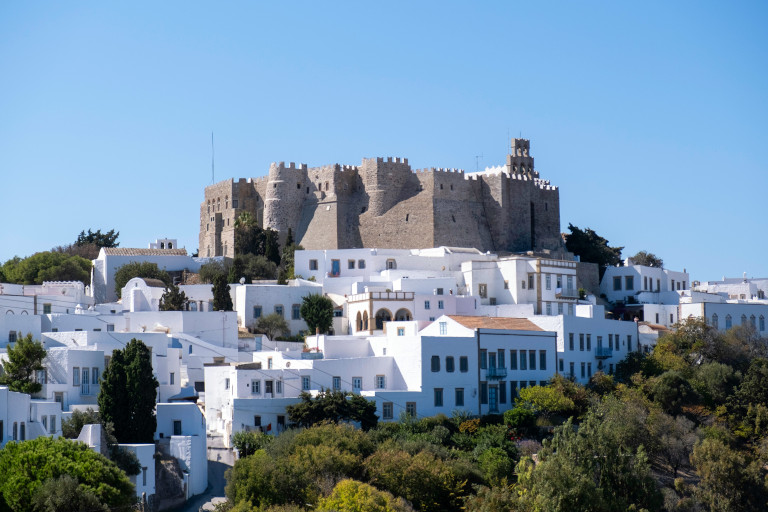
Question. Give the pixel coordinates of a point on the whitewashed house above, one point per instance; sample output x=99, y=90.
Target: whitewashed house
x=181, y=430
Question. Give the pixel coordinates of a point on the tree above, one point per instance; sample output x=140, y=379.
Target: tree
x=647, y=259
x=222, y=300
x=354, y=496
x=333, y=406
x=24, y=359
x=71, y=427
x=26, y=466
x=273, y=325
x=64, y=494
x=128, y=392
x=143, y=269
x=317, y=312
x=173, y=299
x=47, y=266
x=246, y=443
x=108, y=239
x=209, y=271
x=272, y=246
x=593, y=248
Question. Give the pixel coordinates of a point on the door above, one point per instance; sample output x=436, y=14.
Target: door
x=85, y=386
x=493, y=402
x=335, y=267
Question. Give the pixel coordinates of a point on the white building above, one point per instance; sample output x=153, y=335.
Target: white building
x=42, y=299
x=454, y=363
x=725, y=315
x=181, y=430
x=14, y=327
x=638, y=284
x=742, y=288
x=253, y=301
x=22, y=418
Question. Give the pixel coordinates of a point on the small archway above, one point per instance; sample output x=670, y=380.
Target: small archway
x=359, y=322
x=382, y=316
x=365, y=321
x=403, y=315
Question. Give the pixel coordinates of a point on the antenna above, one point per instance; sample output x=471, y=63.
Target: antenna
x=213, y=154
x=477, y=159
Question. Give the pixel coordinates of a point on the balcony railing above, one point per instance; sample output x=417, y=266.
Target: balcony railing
x=496, y=373
x=567, y=293
x=603, y=352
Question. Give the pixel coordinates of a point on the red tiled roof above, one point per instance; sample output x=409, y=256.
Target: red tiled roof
x=488, y=322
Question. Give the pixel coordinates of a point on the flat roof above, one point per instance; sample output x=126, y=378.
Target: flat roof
x=489, y=322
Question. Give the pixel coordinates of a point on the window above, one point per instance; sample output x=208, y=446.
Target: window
x=435, y=363
x=610, y=341
x=744, y=320
x=268, y=387
x=629, y=342
x=172, y=379
x=522, y=284
x=542, y=359
x=410, y=408
x=559, y=308
x=438, y=397
x=381, y=382
x=629, y=282
x=357, y=384
x=426, y=304
x=256, y=311
x=513, y=359
x=714, y=320
x=548, y=281
x=463, y=364
x=226, y=383
x=337, y=383
x=401, y=331
x=589, y=342
x=530, y=281
x=728, y=321
x=296, y=312
x=483, y=359
x=387, y=411
x=449, y=364
x=762, y=323
x=482, y=290
x=581, y=341
x=523, y=359
x=752, y=321
x=312, y=264
x=500, y=362
x=440, y=304
x=532, y=359
x=177, y=427
x=305, y=383
x=46, y=309
x=255, y=387
x=279, y=386
x=589, y=370
x=15, y=435
x=351, y=264
x=234, y=205
x=443, y=328
x=502, y=392
x=571, y=369
x=617, y=283
x=583, y=370
x=549, y=308
x=75, y=376
x=513, y=388
x=438, y=291
x=483, y=393
x=269, y=363
x=561, y=365
x=51, y=431
x=391, y=264
x=22, y=431
x=506, y=285
x=361, y=264
x=40, y=377
x=459, y=397
x=570, y=341
x=279, y=309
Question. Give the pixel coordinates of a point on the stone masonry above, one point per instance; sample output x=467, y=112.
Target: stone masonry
x=383, y=203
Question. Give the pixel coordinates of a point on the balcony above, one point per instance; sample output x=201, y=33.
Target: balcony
x=603, y=352
x=496, y=373
x=567, y=293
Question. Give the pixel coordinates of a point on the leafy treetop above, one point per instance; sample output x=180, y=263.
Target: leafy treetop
x=108, y=239
x=139, y=269
x=317, y=312
x=333, y=406
x=647, y=259
x=24, y=359
x=173, y=299
x=592, y=248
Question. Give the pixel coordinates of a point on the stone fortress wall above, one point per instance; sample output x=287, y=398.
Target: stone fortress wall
x=384, y=203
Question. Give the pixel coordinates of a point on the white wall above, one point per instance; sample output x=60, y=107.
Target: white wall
x=145, y=480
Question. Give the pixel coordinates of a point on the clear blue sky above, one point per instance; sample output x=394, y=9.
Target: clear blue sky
x=649, y=116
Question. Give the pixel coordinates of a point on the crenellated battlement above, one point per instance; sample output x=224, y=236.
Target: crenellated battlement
x=383, y=201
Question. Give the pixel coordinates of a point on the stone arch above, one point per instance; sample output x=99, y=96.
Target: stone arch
x=359, y=322
x=403, y=314
x=365, y=321
x=382, y=316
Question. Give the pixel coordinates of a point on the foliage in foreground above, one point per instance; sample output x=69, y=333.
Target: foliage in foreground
x=33, y=471
x=24, y=359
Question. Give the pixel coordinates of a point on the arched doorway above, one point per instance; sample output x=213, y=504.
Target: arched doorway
x=382, y=315
x=403, y=315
